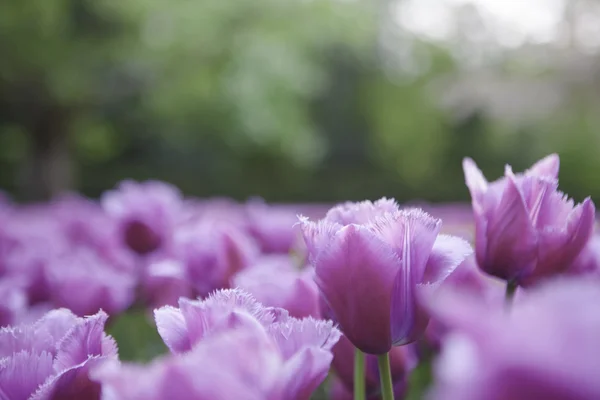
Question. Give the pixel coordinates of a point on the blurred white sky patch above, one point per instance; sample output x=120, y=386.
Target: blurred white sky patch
x=511, y=22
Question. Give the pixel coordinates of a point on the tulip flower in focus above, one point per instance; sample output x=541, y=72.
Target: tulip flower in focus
x=276, y=282
x=372, y=262
x=526, y=230
x=546, y=347
x=51, y=358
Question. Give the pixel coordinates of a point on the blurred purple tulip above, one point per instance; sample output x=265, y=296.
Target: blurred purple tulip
x=527, y=230
x=84, y=283
x=146, y=212
x=272, y=226
x=546, y=347
x=213, y=252
x=276, y=282
x=373, y=262
x=50, y=359
x=258, y=353
x=588, y=261
x=466, y=278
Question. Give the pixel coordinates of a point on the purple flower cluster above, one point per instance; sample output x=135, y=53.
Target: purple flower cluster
x=259, y=301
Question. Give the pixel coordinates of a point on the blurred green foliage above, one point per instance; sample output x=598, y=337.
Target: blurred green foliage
x=136, y=336
x=289, y=100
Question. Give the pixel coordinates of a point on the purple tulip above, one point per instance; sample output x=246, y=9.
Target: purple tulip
x=50, y=360
x=272, y=226
x=466, y=278
x=146, y=213
x=84, y=283
x=213, y=252
x=402, y=360
x=181, y=328
x=373, y=262
x=546, y=347
x=526, y=230
x=258, y=353
x=276, y=282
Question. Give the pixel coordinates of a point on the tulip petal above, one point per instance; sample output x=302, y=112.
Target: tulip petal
x=511, y=239
x=57, y=322
x=172, y=329
x=24, y=338
x=476, y=183
x=558, y=248
x=22, y=373
x=411, y=233
x=72, y=383
x=448, y=253
x=317, y=235
x=547, y=166
x=362, y=212
x=294, y=334
x=357, y=259
x=86, y=338
x=304, y=372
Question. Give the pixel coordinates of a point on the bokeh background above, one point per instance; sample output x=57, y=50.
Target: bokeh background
x=296, y=100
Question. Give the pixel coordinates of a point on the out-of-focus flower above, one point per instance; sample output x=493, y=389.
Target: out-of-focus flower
x=373, y=262
x=526, y=230
x=402, y=360
x=243, y=363
x=258, y=353
x=13, y=301
x=588, y=261
x=84, y=283
x=546, y=347
x=213, y=252
x=276, y=282
x=50, y=359
x=146, y=212
x=272, y=226
x=163, y=282
x=466, y=278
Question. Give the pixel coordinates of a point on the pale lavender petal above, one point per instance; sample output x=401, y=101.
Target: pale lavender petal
x=221, y=311
x=304, y=372
x=360, y=213
x=22, y=373
x=317, y=235
x=476, y=183
x=560, y=246
x=357, y=259
x=511, y=239
x=448, y=253
x=547, y=166
x=172, y=328
x=295, y=334
x=237, y=364
x=56, y=323
x=86, y=338
x=411, y=233
x=24, y=338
